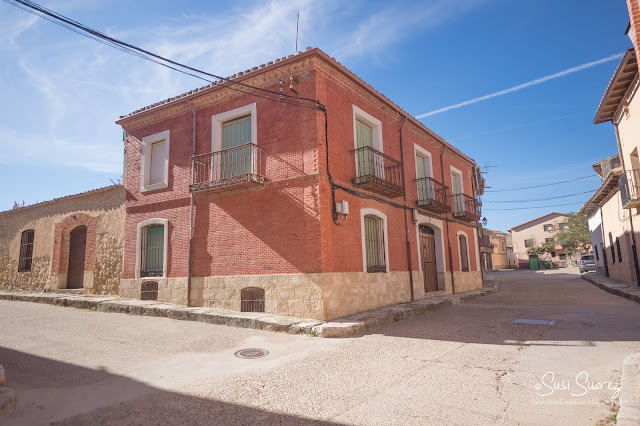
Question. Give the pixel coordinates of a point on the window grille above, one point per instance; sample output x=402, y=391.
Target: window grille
x=252, y=299
x=613, y=250
x=152, y=251
x=464, y=254
x=528, y=243
x=374, y=242
x=26, y=251
x=149, y=290
x=618, y=248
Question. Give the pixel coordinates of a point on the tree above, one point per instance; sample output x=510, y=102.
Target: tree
x=573, y=235
x=542, y=250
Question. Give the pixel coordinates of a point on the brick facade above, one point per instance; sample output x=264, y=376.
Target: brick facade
x=281, y=236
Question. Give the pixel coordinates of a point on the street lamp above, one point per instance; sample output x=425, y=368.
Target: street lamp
x=484, y=221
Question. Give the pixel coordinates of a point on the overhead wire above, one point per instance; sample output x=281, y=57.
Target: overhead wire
x=535, y=207
x=543, y=185
x=538, y=199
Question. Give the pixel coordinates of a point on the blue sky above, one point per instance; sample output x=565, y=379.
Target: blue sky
x=62, y=92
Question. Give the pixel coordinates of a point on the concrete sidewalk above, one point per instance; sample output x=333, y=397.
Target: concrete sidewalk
x=346, y=326
x=619, y=288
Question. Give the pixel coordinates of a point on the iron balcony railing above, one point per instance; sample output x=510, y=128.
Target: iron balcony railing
x=629, y=184
x=378, y=172
x=432, y=195
x=465, y=207
x=231, y=168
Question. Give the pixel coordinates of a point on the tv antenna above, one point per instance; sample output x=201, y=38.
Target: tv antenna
x=297, y=25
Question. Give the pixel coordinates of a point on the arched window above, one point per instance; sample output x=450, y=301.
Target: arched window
x=618, y=248
x=252, y=299
x=374, y=242
x=26, y=250
x=613, y=249
x=464, y=253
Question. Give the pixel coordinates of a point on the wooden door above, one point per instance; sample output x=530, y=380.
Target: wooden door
x=77, y=246
x=428, y=253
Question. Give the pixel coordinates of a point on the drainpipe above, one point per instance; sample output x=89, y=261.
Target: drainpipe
x=191, y=213
x=453, y=285
x=406, y=221
x=634, y=250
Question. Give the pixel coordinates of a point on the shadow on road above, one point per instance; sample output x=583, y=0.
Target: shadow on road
x=54, y=392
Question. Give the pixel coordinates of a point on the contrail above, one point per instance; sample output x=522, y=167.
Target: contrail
x=525, y=85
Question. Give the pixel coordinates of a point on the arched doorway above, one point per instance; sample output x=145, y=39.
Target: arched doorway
x=77, y=249
x=428, y=255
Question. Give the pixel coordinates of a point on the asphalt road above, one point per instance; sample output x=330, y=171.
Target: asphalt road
x=468, y=364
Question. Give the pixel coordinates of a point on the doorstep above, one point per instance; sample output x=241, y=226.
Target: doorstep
x=347, y=326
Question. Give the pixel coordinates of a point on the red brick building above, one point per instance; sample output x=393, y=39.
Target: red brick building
x=230, y=197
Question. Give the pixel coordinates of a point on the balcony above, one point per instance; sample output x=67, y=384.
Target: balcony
x=378, y=172
x=465, y=207
x=228, y=170
x=629, y=184
x=486, y=245
x=432, y=195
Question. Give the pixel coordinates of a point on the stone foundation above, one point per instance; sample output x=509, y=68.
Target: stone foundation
x=317, y=296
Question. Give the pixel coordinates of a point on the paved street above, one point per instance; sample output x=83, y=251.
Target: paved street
x=468, y=364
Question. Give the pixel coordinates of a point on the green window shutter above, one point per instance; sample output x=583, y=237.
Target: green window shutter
x=236, y=132
x=154, y=258
x=364, y=138
x=420, y=168
x=364, y=135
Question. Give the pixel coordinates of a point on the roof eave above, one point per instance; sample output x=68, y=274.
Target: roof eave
x=600, y=116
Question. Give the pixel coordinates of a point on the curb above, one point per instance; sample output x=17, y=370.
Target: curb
x=347, y=326
x=359, y=323
x=629, y=414
x=7, y=397
x=618, y=290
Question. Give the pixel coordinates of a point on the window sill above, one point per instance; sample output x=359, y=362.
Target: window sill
x=154, y=187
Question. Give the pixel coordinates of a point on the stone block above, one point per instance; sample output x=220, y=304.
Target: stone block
x=7, y=399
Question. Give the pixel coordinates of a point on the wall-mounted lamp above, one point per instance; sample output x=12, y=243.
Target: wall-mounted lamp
x=484, y=221
x=414, y=216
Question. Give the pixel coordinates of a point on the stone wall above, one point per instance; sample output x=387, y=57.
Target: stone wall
x=101, y=210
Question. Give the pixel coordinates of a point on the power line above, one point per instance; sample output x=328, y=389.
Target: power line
x=546, y=184
x=535, y=207
x=537, y=199
x=88, y=32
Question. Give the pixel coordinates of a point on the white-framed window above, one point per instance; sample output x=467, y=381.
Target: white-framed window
x=457, y=190
x=232, y=132
x=375, y=241
x=367, y=132
x=547, y=227
x=463, y=251
x=155, y=162
x=151, y=248
x=424, y=169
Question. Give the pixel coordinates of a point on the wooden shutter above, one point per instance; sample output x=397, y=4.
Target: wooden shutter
x=374, y=244
x=464, y=253
x=26, y=251
x=236, y=132
x=156, y=174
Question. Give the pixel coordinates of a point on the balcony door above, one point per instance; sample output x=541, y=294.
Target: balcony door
x=236, y=157
x=368, y=163
x=456, y=190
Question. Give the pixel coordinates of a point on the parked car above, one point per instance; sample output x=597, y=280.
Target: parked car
x=587, y=263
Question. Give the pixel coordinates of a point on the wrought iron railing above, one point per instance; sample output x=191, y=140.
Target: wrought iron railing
x=465, y=206
x=378, y=172
x=232, y=166
x=433, y=193
x=629, y=184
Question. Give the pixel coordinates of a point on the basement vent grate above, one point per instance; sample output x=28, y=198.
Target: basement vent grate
x=533, y=322
x=251, y=353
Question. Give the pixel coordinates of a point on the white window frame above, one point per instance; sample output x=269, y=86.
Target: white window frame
x=418, y=152
x=376, y=130
x=374, y=212
x=218, y=120
x=460, y=251
x=145, y=172
x=458, y=172
x=155, y=221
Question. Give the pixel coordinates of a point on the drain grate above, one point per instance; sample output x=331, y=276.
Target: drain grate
x=251, y=353
x=583, y=313
x=533, y=322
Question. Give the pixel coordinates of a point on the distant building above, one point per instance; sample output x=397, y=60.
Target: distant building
x=535, y=233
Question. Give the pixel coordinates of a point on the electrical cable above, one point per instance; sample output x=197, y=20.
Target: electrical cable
x=540, y=186
x=536, y=207
x=538, y=199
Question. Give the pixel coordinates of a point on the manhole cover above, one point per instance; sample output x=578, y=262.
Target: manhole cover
x=533, y=322
x=251, y=353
